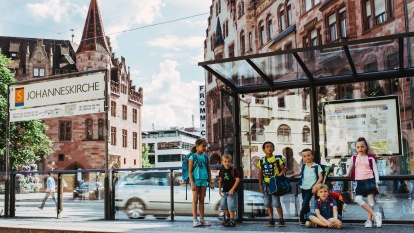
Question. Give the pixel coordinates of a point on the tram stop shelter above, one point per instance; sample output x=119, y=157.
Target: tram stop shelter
x=331, y=68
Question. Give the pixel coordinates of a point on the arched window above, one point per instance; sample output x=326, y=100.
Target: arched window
x=89, y=128
x=288, y=13
x=262, y=33
x=283, y=134
x=306, y=138
x=242, y=43
x=100, y=129
x=282, y=18
x=258, y=132
x=269, y=27
x=65, y=130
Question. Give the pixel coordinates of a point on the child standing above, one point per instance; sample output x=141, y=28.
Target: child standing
x=271, y=166
x=200, y=177
x=229, y=180
x=308, y=182
x=364, y=170
x=326, y=210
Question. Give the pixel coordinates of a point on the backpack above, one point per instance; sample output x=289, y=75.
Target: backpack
x=339, y=202
x=325, y=172
x=370, y=158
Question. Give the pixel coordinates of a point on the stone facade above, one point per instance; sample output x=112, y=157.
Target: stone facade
x=253, y=27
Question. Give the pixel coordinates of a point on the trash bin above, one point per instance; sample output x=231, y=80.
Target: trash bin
x=92, y=195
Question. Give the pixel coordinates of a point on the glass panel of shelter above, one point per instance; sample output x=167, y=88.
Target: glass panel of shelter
x=240, y=73
x=278, y=68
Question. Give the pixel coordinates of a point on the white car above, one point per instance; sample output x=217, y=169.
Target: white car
x=142, y=193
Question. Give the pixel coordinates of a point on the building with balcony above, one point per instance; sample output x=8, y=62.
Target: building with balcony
x=167, y=148
x=79, y=141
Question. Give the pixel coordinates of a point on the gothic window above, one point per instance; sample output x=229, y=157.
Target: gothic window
x=100, y=129
x=89, y=129
x=113, y=136
x=242, y=43
x=134, y=115
x=65, y=130
x=262, y=33
x=250, y=41
x=289, y=13
x=231, y=51
x=124, y=138
x=38, y=72
x=113, y=108
x=269, y=28
x=282, y=18
x=134, y=140
x=283, y=134
x=124, y=112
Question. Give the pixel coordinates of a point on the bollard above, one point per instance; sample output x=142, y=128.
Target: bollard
x=172, y=195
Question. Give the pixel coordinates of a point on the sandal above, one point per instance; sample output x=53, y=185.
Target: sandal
x=230, y=224
x=196, y=223
x=205, y=223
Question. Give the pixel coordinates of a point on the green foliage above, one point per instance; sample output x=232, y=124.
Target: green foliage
x=145, y=161
x=28, y=142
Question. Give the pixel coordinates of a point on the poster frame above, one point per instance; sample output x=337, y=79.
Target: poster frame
x=395, y=98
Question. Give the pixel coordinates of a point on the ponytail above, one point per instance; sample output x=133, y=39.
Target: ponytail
x=193, y=149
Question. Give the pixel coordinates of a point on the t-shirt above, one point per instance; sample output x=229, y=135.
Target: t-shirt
x=309, y=176
x=273, y=168
x=228, y=180
x=326, y=209
x=50, y=184
x=200, y=166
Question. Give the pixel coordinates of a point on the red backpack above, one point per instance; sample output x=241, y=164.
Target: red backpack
x=370, y=158
x=339, y=202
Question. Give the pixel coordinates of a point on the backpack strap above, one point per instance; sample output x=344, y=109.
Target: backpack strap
x=301, y=171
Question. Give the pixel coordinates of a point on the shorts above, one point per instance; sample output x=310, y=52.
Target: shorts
x=366, y=187
x=313, y=214
x=228, y=202
x=201, y=182
x=269, y=199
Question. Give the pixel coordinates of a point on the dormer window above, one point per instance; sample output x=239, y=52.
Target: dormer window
x=38, y=72
x=13, y=55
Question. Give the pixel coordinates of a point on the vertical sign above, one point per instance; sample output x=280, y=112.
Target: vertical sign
x=202, y=103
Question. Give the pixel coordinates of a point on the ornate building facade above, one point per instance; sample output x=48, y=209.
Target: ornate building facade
x=243, y=27
x=79, y=141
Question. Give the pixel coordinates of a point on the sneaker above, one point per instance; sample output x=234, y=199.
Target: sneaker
x=196, y=223
x=368, y=224
x=310, y=224
x=271, y=223
x=281, y=223
x=225, y=222
x=378, y=219
x=302, y=223
x=230, y=223
x=40, y=208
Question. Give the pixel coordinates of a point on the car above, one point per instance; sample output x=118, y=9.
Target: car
x=148, y=193
x=89, y=190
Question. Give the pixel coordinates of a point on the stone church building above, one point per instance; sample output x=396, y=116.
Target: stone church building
x=79, y=141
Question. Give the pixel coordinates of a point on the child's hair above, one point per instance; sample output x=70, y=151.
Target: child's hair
x=307, y=149
x=268, y=142
x=226, y=156
x=362, y=139
x=197, y=143
x=321, y=186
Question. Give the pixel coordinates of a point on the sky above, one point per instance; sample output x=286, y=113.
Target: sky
x=162, y=58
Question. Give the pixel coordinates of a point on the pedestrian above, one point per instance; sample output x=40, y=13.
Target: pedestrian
x=200, y=179
x=50, y=191
x=229, y=181
x=326, y=210
x=270, y=166
x=364, y=171
x=311, y=175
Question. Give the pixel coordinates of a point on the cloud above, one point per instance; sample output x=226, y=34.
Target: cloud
x=195, y=5
x=169, y=101
x=56, y=9
x=175, y=43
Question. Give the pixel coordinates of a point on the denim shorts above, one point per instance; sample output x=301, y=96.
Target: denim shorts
x=228, y=202
x=269, y=199
x=201, y=182
x=313, y=214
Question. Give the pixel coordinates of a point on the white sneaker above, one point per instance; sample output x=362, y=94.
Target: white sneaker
x=378, y=219
x=368, y=224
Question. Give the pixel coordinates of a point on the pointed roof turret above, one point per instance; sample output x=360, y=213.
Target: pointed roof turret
x=219, y=36
x=93, y=36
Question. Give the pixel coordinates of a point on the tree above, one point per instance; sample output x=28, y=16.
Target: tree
x=145, y=161
x=28, y=142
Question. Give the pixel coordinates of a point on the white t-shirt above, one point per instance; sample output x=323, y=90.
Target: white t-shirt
x=309, y=176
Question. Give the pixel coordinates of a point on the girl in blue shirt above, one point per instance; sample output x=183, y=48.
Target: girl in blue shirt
x=200, y=177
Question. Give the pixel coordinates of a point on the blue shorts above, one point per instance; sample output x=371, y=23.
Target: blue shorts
x=201, y=182
x=269, y=199
x=313, y=214
x=228, y=202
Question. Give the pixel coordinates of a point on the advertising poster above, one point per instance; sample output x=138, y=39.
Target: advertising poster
x=376, y=119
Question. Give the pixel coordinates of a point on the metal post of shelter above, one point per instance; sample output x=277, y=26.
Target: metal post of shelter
x=314, y=122
x=237, y=154
x=107, y=201
x=7, y=183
